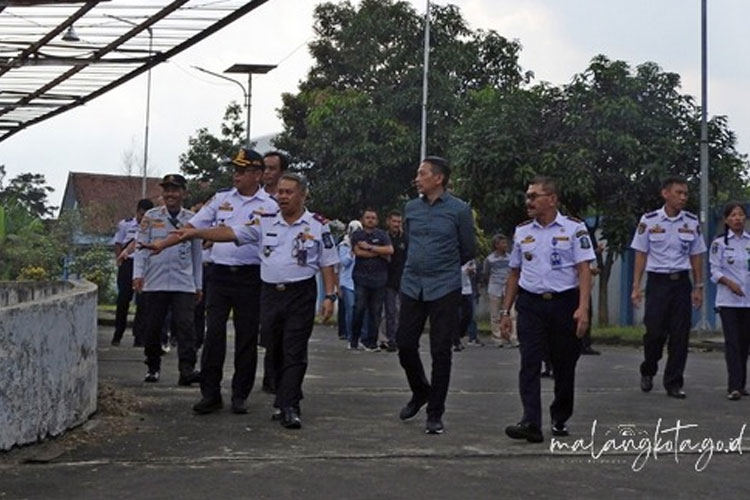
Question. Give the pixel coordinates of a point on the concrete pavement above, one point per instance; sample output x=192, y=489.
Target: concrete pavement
x=146, y=443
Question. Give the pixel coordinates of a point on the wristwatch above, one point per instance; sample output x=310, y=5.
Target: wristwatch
x=332, y=297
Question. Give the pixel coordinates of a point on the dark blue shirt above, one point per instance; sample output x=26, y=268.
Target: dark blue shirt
x=441, y=239
x=371, y=272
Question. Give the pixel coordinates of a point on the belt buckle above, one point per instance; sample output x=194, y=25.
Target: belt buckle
x=547, y=295
x=674, y=276
x=280, y=287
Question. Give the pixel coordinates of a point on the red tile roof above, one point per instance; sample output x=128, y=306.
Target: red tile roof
x=106, y=199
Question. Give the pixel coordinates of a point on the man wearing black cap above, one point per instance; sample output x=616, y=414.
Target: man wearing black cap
x=172, y=279
x=234, y=286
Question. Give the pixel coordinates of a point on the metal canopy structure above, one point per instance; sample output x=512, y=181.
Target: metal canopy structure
x=59, y=54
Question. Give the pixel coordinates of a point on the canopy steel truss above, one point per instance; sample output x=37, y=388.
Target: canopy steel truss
x=59, y=54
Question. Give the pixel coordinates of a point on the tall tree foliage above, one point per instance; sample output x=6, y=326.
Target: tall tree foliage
x=610, y=137
x=354, y=125
x=205, y=162
x=28, y=190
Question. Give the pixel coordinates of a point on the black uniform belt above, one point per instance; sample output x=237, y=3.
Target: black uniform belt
x=550, y=295
x=286, y=287
x=668, y=276
x=234, y=269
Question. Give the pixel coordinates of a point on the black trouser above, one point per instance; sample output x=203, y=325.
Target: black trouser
x=735, y=321
x=466, y=314
x=200, y=308
x=667, y=319
x=288, y=315
x=235, y=289
x=586, y=339
x=367, y=300
x=443, y=313
x=139, y=322
x=124, y=296
x=546, y=327
x=181, y=304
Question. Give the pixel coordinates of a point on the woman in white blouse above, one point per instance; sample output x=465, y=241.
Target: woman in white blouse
x=729, y=257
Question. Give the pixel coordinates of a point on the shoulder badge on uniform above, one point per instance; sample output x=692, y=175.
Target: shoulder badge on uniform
x=715, y=247
x=320, y=218
x=690, y=215
x=525, y=222
x=574, y=219
x=327, y=240
x=650, y=215
x=585, y=242
x=641, y=228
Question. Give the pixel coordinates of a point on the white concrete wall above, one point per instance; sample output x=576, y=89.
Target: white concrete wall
x=48, y=364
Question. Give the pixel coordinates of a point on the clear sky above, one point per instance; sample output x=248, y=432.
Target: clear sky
x=559, y=38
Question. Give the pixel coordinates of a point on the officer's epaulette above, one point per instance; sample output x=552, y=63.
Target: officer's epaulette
x=690, y=215
x=320, y=219
x=525, y=222
x=651, y=215
x=575, y=219
x=223, y=190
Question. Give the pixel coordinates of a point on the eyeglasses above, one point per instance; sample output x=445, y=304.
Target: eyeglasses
x=534, y=196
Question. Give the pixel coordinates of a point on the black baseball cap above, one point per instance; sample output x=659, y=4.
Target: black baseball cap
x=248, y=158
x=174, y=180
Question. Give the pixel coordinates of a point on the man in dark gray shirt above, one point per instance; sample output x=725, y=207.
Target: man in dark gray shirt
x=440, y=230
x=372, y=247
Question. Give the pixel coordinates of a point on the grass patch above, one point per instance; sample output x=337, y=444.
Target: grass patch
x=629, y=333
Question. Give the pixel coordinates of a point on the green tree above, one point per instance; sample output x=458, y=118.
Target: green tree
x=27, y=189
x=204, y=164
x=354, y=126
x=609, y=137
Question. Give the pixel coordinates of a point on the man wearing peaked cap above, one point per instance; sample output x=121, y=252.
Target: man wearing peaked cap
x=173, y=280
x=233, y=285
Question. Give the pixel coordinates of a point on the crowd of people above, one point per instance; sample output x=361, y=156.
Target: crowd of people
x=255, y=251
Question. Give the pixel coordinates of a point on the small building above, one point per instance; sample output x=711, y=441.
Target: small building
x=103, y=200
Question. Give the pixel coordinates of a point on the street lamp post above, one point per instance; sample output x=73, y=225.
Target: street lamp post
x=705, y=212
x=425, y=80
x=148, y=101
x=250, y=70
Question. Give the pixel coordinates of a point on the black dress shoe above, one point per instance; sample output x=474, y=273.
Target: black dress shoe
x=559, y=430
x=290, y=418
x=189, y=378
x=525, y=430
x=676, y=392
x=647, y=383
x=434, y=426
x=411, y=409
x=278, y=414
x=208, y=405
x=239, y=406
